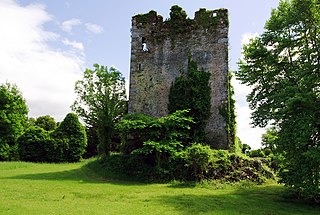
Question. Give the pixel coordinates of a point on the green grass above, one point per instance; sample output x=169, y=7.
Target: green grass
x=79, y=188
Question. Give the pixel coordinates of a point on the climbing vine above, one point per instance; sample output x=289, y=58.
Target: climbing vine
x=192, y=91
x=228, y=112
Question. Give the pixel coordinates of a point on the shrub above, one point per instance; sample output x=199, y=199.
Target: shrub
x=33, y=144
x=197, y=159
x=141, y=129
x=57, y=150
x=46, y=122
x=70, y=138
x=92, y=143
x=257, y=153
x=4, y=151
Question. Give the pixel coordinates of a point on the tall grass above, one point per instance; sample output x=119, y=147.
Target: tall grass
x=84, y=188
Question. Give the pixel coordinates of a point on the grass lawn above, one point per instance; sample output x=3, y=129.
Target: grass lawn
x=77, y=188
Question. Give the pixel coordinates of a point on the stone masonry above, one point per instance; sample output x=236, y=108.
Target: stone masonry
x=152, y=72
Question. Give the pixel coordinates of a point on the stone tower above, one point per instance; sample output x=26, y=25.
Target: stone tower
x=169, y=44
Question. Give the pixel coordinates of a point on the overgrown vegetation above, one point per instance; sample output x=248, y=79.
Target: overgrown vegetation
x=229, y=114
x=101, y=102
x=13, y=120
x=192, y=91
x=72, y=135
x=179, y=23
x=65, y=144
x=162, y=149
x=282, y=66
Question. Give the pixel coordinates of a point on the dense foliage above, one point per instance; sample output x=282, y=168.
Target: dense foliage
x=46, y=122
x=159, y=139
x=161, y=149
x=282, y=66
x=34, y=145
x=101, y=102
x=13, y=117
x=67, y=143
x=70, y=138
x=192, y=91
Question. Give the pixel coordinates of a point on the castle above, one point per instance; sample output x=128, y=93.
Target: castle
x=159, y=54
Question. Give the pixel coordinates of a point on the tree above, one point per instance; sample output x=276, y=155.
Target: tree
x=269, y=139
x=282, y=67
x=101, y=102
x=34, y=144
x=70, y=138
x=46, y=122
x=13, y=118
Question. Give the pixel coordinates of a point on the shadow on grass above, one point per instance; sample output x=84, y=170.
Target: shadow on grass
x=259, y=200
x=91, y=172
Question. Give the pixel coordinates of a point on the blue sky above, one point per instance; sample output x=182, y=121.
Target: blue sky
x=45, y=45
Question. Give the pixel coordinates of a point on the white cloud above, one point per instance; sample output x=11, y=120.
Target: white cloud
x=45, y=76
x=74, y=44
x=246, y=37
x=94, y=28
x=68, y=25
x=245, y=130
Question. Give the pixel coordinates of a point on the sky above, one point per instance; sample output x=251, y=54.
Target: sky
x=45, y=46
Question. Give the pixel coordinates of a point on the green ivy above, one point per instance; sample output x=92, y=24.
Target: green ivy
x=145, y=18
x=192, y=92
x=180, y=24
x=228, y=112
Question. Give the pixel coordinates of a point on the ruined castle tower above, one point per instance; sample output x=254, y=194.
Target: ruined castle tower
x=159, y=54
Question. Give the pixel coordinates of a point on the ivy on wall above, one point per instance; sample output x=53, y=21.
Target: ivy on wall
x=179, y=24
x=192, y=91
x=228, y=112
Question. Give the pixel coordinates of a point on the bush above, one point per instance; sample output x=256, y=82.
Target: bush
x=7, y=152
x=34, y=144
x=257, y=153
x=92, y=143
x=70, y=138
x=197, y=159
x=46, y=122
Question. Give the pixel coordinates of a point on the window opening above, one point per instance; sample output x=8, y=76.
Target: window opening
x=144, y=45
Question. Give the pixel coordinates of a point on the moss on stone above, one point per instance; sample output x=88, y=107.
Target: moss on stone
x=146, y=18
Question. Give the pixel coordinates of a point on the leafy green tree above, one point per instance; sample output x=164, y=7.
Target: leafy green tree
x=13, y=118
x=158, y=138
x=101, y=102
x=282, y=67
x=34, y=144
x=46, y=122
x=198, y=160
x=269, y=139
x=70, y=138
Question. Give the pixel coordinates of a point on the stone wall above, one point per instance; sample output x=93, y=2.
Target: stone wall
x=205, y=39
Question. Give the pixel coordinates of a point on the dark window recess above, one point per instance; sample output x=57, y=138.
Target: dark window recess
x=144, y=45
x=139, y=67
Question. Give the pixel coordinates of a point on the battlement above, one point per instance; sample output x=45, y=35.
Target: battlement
x=160, y=50
x=209, y=19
